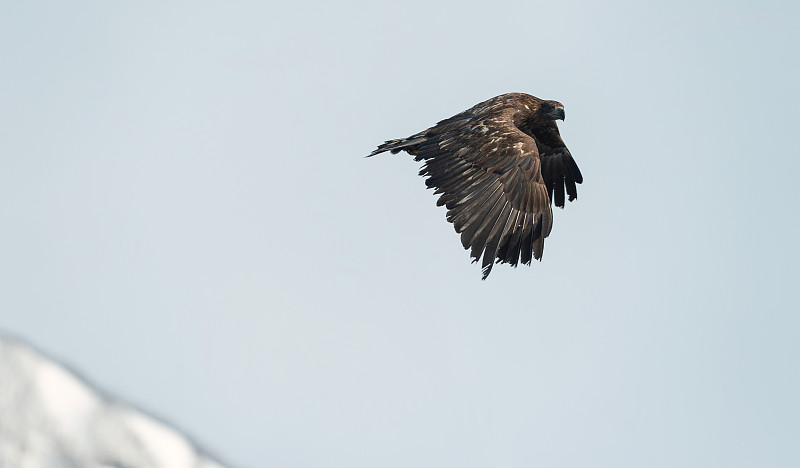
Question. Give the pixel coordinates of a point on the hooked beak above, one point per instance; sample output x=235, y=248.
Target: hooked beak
x=559, y=114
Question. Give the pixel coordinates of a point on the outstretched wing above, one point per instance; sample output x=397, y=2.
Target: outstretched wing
x=488, y=173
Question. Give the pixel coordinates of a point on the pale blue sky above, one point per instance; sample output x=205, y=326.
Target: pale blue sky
x=188, y=219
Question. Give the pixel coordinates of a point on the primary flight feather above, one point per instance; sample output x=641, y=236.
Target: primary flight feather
x=498, y=167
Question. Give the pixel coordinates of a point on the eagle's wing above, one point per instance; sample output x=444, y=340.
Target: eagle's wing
x=559, y=170
x=489, y=174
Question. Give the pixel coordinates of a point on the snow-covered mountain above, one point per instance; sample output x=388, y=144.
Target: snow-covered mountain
x=50, y=418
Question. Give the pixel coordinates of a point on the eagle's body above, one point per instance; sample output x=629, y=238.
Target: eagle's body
x=498, y=166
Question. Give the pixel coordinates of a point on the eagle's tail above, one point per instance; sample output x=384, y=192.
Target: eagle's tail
x=410, y=144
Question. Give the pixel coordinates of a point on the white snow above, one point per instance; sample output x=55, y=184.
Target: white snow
x=49, y=418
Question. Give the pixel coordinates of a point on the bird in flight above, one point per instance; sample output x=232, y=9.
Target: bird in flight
x=498, y=167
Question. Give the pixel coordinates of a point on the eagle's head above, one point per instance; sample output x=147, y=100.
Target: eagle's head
x=553, y=110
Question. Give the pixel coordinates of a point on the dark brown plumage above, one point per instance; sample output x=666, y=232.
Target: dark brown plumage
x=498, y=166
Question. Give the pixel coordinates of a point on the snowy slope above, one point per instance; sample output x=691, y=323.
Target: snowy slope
x=51, y=418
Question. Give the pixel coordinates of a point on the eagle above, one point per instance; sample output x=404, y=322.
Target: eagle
x=498, y=167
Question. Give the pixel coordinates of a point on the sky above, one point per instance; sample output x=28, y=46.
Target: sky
x=189, y=220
